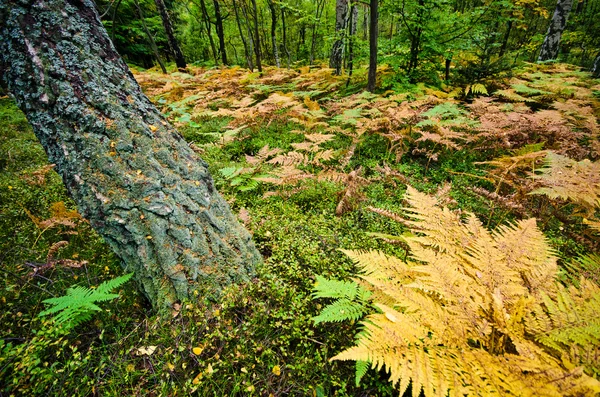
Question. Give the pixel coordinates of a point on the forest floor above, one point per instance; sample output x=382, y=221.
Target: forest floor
x=303, y=159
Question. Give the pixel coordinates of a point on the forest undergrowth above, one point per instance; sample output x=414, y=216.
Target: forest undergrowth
x=309, y=162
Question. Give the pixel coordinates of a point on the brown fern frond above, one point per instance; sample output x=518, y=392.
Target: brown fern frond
x=352, y=194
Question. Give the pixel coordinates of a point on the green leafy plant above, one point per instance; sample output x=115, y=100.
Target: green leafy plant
x=78, y=305
x=473, y=312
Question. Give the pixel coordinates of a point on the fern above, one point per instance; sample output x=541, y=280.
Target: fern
x=570, y=180
x=78, y=305
x=472, y=312
x=351, y=300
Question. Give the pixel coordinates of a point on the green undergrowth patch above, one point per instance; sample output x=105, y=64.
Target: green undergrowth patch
x=259, y=339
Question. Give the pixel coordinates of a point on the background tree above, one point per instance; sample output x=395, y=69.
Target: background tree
x=131, y=174
x=557, y=26
x=373, y=34
x=341, y=22
x=164, y=15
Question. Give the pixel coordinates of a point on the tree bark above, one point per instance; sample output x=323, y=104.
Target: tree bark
x=257, y=38
x=337, y=51
x=557, y=25
x=596, y=67
x=274, y=31
x=220, y=32
x=164, y=15
x=129, y=171
x=285, y=47
x=352, y=33
x=373, y=33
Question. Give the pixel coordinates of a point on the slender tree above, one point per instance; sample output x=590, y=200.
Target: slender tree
x=173, y=44
x=247, y=51
x=208, y=30
x=131, y=174
x=341, y=22
x=257, y=38
x=274, y=31
x=373, y=33
x=220, y=32
x=150, y=37
x=284, y=29
x=557, y=26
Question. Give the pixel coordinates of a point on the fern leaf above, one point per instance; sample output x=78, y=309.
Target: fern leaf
x=341, y=310
x=325, y=288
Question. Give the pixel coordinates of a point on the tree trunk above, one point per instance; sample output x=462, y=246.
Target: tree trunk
x=129, y=171
x=249, y=28
x=319, y=13
x=208, y=31
x=505, y=39
x=596, y=67
x=557, y=25
x=373, y=33
x=150, y=38
x=257, y=38
x=274, y=31
x=220, y=32
x=177, y=54
x=285, y=47
x=352, y=33
x=247, y=52
x=337, y=51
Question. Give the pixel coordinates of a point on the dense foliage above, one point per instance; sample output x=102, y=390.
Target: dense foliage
x=457, y=40
x=309, y=165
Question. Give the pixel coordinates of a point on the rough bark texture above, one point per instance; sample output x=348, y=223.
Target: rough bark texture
x=373, y=33
x=132, y=175
x=557, y=25
x=239, y=25
x=337, y=51
x=596, y=67
x=164, y=15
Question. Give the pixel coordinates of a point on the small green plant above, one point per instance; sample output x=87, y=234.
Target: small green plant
x=79, y=303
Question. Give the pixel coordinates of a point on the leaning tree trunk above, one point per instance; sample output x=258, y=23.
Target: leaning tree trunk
x=129, y=171
x=164, y=15
x=337, y=51
x=373, y=33
x=557, y=25
x=273, y=32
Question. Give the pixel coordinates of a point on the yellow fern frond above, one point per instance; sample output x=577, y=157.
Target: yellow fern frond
x=571, y=180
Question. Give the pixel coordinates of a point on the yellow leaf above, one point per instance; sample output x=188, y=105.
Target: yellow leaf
x=244, y=370
x=276, y=370
x=145, y=351
x=197, y=350
x=209, y=369
x=197, y=379
x=152, y=128
x=170, y=367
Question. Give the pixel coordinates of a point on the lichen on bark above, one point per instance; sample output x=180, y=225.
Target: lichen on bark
x=129, y=171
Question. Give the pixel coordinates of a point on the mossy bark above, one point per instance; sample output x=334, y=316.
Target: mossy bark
x=132, y=175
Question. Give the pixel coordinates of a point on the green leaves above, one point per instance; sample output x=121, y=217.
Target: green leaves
x=78, y=305
x=352, y=301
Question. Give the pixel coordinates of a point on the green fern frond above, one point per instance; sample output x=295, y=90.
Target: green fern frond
x=342, y=310
x=587, y=266
x=337, y=289
x=361, y=370
x=78, y=304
